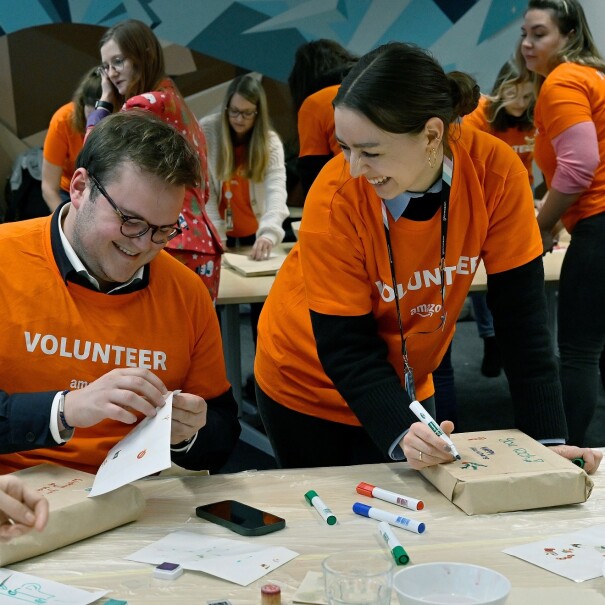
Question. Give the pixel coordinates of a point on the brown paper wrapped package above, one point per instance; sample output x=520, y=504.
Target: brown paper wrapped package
x=73, y=515
x=507, y=470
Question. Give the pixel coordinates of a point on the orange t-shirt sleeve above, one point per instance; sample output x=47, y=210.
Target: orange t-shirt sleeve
x=564, y=101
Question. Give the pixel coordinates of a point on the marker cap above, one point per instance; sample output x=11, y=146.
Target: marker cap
x=310, y=495
x=365, y=489
x=401, y=557
x=361, y=509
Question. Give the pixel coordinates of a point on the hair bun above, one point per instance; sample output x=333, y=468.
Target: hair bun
x=465, y=93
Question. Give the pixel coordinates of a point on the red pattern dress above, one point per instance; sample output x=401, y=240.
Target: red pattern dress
x=199, y=247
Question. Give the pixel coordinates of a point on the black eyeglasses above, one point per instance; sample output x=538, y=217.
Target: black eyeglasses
x=247, y=115
x=136, y=227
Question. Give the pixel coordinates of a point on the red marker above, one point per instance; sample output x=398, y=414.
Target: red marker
x=367, y=489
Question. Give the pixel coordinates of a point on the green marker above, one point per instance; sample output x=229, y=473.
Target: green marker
x=578, y=462
x=401, y=557
x=317, y=503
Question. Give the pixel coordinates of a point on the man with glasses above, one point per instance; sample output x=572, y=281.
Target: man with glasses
x=100, y=322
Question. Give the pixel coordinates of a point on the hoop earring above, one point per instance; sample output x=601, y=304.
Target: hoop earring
x=432, y=159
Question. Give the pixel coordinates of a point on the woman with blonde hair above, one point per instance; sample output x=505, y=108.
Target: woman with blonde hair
x=133, y=73
x=556, y=44
x=247, y=201
x=65, y=138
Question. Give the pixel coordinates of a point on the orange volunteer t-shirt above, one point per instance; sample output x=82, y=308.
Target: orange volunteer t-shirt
x=316, y=124
x=62, y=143
x=77, y=335
x=572, y=94
x=340, y=267
x=522, y=141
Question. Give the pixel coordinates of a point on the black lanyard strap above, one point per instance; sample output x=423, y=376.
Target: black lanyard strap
x=446, y=178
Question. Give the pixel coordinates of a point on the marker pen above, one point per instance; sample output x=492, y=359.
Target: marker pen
x=401, y=557
x=367, y=489
x=427, y=419
x=578, y=462
x=381, y=515
x=317, y=503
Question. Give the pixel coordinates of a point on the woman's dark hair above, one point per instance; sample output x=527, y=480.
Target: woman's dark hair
x=318, y=64
x=400, y=86
x=509, y=78
x=138, y=44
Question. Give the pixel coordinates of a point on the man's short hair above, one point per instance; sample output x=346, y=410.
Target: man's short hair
x=138, y=136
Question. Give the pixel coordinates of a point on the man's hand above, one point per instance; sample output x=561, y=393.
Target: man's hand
x=261, y=249
x=592, y=458
x=115, y=395
x=21, y=508
x=423, y=448
x=188, y=416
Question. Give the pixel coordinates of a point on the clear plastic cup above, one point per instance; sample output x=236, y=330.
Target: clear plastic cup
x=358, y=578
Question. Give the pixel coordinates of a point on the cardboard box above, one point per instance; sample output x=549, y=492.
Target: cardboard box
x=507, y=470
x=73, y=515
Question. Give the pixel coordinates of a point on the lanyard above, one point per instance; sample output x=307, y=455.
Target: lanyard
x=446, y=177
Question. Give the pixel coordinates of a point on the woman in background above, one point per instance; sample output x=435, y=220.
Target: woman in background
x=557, y=45
x=65, y=138
x=247, y=174
x=507, y=113
x=247, y=201
x=133, y=73
x=319, y=67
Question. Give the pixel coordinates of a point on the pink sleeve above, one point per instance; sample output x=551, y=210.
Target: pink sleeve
x=577, y=151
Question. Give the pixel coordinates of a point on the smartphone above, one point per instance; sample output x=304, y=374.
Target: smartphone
x=240, y=518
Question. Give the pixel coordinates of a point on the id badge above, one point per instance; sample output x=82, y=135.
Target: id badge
x=410, y=387
x=229, y=220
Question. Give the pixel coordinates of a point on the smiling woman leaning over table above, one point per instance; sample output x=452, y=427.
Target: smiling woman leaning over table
x=365, y=304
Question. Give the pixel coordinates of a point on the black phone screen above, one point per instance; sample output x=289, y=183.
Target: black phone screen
x=240, y=517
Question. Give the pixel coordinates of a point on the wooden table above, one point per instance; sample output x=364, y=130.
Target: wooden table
x=451, y=535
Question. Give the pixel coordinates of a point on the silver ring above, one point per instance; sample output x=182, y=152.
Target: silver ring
x=420, y=455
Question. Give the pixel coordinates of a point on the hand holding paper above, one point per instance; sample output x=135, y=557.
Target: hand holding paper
x=144, y=451
x=114, y=395
x=188, y=416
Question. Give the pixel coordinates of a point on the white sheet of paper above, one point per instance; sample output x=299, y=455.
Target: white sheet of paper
x=578, y=556
x=233, y=560
x=21, y=587
x=248, y=265
x=144, y=451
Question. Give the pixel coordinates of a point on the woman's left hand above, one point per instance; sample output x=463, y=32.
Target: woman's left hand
x=592, y=458
x=261, y=249
x=548, y=241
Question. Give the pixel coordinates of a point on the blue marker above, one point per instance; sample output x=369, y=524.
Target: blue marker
x=382, y=515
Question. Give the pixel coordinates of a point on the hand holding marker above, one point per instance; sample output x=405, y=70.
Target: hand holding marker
x=427, y=419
